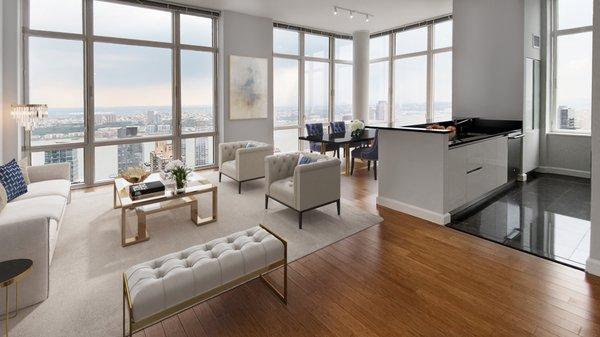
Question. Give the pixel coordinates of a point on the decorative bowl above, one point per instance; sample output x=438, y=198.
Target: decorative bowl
x=135, y=175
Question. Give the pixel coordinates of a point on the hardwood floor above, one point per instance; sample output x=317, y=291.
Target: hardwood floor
x=404, y=277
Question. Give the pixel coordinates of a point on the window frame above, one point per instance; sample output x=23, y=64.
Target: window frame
x=430, y=52
x=302, y=59
x=555, y=33
x=88, y=39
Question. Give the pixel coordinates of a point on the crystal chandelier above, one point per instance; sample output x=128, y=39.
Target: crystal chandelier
x=29, y=115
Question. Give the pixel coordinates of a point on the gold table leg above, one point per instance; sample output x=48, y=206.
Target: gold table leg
x=194, y=214
x=347, y=158
x=6, y=314
x=323, y=148
x=142, y=231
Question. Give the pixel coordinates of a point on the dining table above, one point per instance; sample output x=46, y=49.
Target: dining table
x=344, y=140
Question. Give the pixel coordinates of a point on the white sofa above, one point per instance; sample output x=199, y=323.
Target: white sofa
x=242, y=163
x=302, y=187
x=29, y=227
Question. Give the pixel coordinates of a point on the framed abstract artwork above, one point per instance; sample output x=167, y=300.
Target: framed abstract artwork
x=248, y=87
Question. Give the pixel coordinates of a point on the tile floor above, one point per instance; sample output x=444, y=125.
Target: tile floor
x=548, y=216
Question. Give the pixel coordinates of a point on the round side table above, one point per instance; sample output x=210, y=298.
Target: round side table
x=12, y=271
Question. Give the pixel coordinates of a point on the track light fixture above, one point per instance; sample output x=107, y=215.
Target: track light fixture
x=351, y=13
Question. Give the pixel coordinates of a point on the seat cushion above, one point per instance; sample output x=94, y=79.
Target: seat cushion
x=283, y=190
x=229, y=168
x=50, y=207
x=59, y=187
x=159, y=284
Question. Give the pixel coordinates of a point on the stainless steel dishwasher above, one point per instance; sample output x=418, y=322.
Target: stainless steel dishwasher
x=515, y=150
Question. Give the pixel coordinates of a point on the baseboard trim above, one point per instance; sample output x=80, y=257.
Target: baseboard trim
x=438, y=218
x=592, y=266
x=564, y=171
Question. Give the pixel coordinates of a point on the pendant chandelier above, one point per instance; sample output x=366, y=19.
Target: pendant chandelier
x=29, y=115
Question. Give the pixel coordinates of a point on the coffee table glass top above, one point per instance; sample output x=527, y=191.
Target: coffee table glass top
x=10, y=270
x=195, y=184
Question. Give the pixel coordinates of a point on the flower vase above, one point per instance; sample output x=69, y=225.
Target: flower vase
x=180, y=184
x=357, y=133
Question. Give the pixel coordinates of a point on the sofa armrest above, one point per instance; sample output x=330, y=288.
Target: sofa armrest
x=278, y=167
x=27, y=239
x=49, y=172
x=317, y=183
x=227, y=151
x=250, y=161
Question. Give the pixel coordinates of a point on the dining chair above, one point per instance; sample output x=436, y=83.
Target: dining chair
x=338, y=127
x=368, y=153
x=316, y=130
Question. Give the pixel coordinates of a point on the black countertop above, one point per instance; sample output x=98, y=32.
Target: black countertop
x=468, y=130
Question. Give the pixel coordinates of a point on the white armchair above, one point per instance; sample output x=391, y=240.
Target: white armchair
x=242, y=163
x=302, y=187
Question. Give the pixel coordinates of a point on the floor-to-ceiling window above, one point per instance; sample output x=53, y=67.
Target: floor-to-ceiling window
x=312, y=80
x=571, y=52
x=126, y=85
x=410, y=79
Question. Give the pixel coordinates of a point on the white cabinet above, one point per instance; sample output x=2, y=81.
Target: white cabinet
x=473, y=170
x=455, y=180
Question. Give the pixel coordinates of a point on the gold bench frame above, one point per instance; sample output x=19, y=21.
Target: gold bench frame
x=176, y=309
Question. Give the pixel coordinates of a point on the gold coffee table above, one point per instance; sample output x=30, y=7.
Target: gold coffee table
x=169, y=200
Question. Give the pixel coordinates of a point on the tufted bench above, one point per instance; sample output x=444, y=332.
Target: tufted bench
x=163, y=287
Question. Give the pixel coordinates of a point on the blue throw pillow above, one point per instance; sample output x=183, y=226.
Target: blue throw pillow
x=249, y=145
x=304, y=160
x=12, y=179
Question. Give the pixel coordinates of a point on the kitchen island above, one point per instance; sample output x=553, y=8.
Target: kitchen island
x=428, y=172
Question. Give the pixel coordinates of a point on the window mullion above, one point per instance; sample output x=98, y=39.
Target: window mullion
x=88, y=67
x=430, y=75
x=176, y=88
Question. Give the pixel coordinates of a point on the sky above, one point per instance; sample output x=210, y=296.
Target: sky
x=123, y=75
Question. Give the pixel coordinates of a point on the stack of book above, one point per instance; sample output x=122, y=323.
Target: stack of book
x=146, y=190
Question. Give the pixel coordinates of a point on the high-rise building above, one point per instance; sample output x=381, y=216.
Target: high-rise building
x=129, y=155
x=567, y=121
x=381, y=110
x=201, y=149
x=161, y=155
x=152, y=117
x=64, y=156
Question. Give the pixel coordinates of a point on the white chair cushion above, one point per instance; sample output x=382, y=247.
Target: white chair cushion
x=283, y=191
x=229, y=168
x=59, y=187
x=157, y=285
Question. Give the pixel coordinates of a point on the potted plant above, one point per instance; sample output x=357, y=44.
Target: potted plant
x=357, y=127
x=177, y=171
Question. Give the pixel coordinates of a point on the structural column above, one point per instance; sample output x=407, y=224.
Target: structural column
x=593, y=262
x=360, y=75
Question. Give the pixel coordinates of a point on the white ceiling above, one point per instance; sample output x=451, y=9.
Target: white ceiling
x=319, y=13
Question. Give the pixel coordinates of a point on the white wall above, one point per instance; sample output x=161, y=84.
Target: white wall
x=1, y=90
x=566, y=154
x=244, y=35
x=11, y=76
x=488, y=58
x=593, y=263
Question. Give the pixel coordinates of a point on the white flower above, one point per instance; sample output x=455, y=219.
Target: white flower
x=174, y=164
x=356, y=125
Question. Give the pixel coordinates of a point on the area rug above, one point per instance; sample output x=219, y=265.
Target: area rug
x=86, y=271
